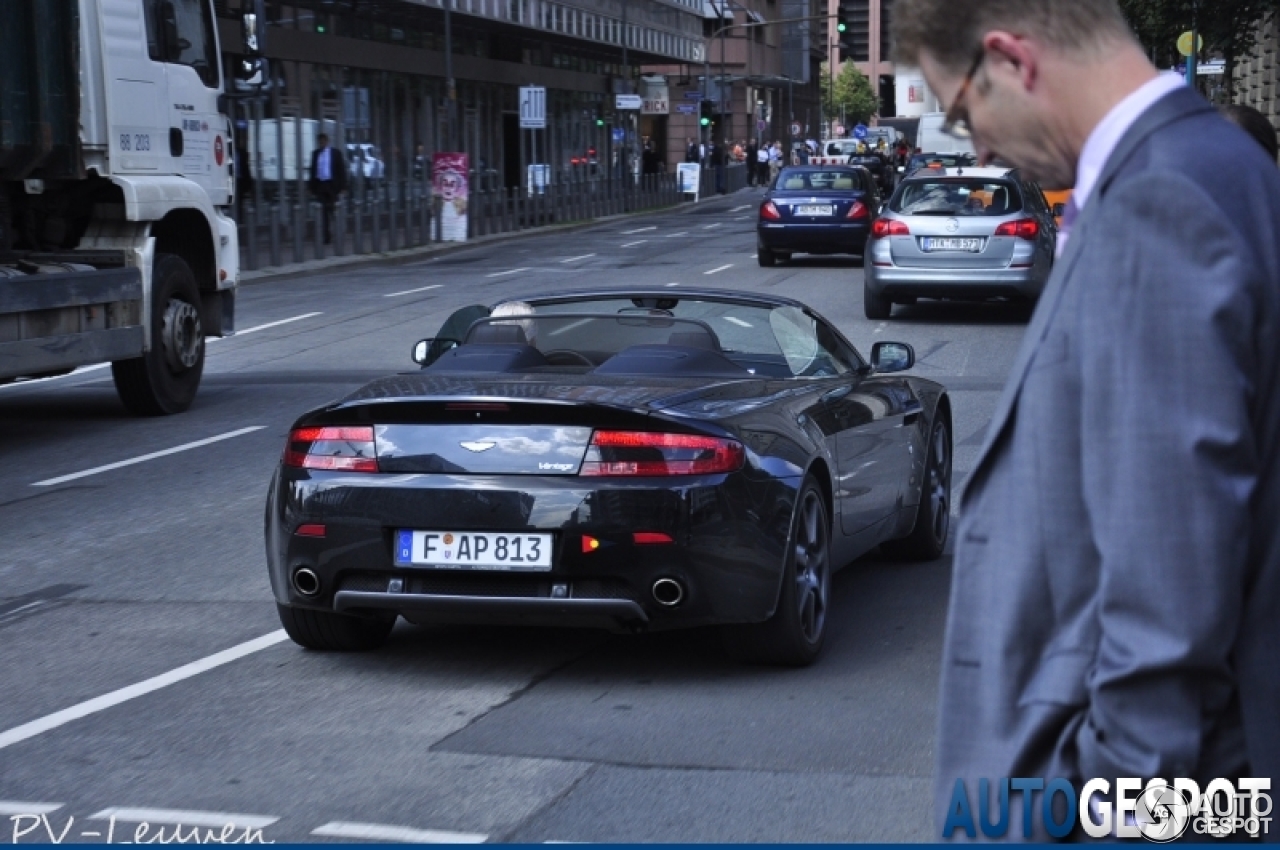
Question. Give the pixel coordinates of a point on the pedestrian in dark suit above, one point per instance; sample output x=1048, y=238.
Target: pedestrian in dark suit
x=328, y=179
x=1115, y=603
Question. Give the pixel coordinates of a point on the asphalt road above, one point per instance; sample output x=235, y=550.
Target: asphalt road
x=156, y=567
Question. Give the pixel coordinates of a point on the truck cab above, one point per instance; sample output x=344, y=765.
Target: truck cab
x=115, y=190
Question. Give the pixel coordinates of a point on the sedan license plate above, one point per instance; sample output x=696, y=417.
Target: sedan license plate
x=473, y=550
x=815, y=209
x=973, y=246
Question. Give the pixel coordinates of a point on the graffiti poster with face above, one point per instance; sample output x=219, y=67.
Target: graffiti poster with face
x=449, y=178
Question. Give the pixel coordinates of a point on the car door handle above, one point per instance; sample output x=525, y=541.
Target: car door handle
x=836, y=394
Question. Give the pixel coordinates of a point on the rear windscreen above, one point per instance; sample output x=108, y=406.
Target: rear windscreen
x=957, y=197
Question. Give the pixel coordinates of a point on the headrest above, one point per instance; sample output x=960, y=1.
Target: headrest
x=494, y=334
x=842, y=183
x=794, y=183
x=999, y=202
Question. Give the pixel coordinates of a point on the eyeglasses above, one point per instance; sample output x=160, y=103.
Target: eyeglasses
x=956, y=122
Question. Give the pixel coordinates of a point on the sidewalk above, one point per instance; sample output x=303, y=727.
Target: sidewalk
x=409, y=255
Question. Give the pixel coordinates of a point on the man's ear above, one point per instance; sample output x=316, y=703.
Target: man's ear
x=1012, y=54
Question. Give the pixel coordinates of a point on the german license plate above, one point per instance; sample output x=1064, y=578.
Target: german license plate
x=973, y=246
x=815, y=209
x=473, y=550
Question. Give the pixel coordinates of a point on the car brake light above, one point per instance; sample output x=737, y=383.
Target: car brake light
x=1023, y=228
x=770, y=211
x=644, y=453
x=649, y=538
x=889, y=227
x=339, y=448
x=858, y=210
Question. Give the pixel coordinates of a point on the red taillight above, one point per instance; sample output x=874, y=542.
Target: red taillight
x=645, y=453
x=1023, y=228
x=338, y=448
x=889, y=227
x=858, y=210
x=649, y=538
x=770, y=211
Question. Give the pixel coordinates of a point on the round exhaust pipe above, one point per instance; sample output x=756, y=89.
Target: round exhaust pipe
x=668, y=592
x=306, y=582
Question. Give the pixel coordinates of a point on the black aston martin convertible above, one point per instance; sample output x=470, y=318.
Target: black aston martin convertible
x=627, y=459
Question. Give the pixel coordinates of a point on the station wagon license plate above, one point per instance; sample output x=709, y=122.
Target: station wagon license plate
x=815, y=209
x=473, y=550
x=950, y=243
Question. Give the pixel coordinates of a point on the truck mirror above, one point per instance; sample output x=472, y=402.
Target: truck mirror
x=251, y=71
x=249, y=23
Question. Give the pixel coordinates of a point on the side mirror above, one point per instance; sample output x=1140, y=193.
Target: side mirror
x=249, y=25
x=889, y=357
x=1059, y=210
x=428, y=351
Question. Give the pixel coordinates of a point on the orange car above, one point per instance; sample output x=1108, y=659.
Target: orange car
x=1057, y=202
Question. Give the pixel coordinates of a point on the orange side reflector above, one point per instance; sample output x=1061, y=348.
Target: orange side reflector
x=314, y=529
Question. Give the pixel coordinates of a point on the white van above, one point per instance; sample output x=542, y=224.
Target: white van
x=931, y=139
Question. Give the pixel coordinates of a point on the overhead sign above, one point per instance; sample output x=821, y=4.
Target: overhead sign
x=533, y=108
x=628, y=101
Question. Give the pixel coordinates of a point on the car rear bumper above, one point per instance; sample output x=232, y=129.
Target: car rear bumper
x=954, y=283
x=727, y=546
x=834, y=238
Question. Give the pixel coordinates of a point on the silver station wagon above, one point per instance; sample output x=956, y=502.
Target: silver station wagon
x=959, y=233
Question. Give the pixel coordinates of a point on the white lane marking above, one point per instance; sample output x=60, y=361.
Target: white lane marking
x=575, y=259
x=741, y=208
x=738, y=322
x=673, y=284
x=257, y=328
x=741, y=217
x=633, y=244
x=49, y=482
x=710, y=226
x=183, y=817
x=674, y=235
x=639, y=230
x=412, y=291
x=722, y=268
x=754, y=256
x=155, y=683
x=12, y=808
x=882, y=326
x=508, y=271
x=407, y=835
x=570, y=327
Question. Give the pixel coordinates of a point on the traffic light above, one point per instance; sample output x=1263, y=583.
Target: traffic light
x=705, y=111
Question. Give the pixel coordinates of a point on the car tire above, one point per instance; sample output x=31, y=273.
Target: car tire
x=928, y=537
x=331, y=632
x=794, y=635
x=766, y=258
x=783, y=256
x=164, y=380
x=875, y=305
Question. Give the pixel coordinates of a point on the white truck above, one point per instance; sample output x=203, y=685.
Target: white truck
x=115, y=183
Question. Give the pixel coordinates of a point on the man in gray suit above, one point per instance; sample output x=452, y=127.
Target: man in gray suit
x=1115, y=605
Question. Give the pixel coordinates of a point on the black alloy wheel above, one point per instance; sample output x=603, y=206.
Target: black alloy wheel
x=928, y=538
x=794, y=635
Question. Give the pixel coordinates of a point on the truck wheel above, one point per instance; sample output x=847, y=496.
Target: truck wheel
x=165, y=379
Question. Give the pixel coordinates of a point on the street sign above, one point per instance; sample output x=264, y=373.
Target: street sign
x=1184, y=44
x=762, y=125
x=860, y=131
x=628, y=101
x=533, y=108
x=795, y=129
x=619, y=135
x=687, y=108
x=839, y=128
x=693, y=95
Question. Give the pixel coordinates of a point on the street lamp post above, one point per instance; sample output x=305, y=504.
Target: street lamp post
x=451, y=88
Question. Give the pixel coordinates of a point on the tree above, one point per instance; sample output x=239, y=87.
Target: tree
x=853, y=94
x=1229, y=27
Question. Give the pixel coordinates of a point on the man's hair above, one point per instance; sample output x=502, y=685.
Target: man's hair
x=951, y=31
x=323, y=137
x=1255, y=124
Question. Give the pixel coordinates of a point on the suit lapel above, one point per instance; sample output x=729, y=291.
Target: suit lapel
x=1177, y=105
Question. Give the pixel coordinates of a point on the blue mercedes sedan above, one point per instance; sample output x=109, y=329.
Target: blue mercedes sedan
x=820, y=209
